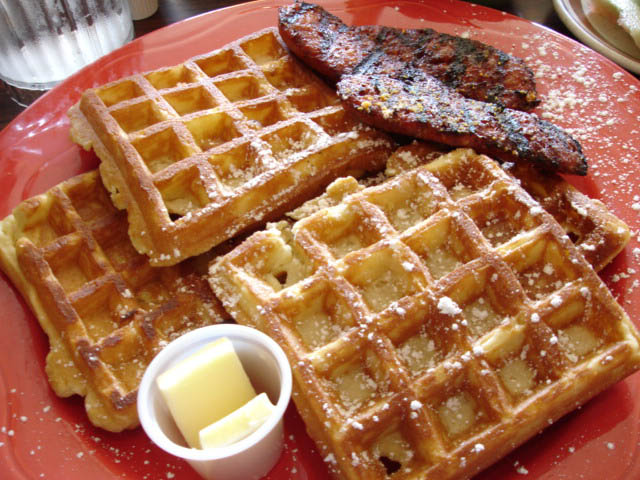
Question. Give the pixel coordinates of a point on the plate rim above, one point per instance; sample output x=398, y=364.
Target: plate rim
x=345, y=4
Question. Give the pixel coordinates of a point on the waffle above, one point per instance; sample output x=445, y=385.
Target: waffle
x=422, y=343
x=597, y=232
x=106, y=311
x=203, y=150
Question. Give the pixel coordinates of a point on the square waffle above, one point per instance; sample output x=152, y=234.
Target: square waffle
x=203, y=150
x=422, y=343
x=106, y=311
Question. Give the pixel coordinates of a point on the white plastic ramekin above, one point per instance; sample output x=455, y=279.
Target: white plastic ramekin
x=269, y=370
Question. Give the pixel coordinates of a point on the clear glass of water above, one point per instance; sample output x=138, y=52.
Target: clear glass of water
x=42, y=42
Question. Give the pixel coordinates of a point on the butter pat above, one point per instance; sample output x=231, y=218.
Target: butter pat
x=204, y=388
x=238, y=424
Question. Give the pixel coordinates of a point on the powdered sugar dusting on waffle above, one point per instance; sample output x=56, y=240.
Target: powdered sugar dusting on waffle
x=455, y=330
x=200, y=151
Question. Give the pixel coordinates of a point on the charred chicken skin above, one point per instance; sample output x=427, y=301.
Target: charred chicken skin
x=432, y=86
x=424, y=108
x=474, y=69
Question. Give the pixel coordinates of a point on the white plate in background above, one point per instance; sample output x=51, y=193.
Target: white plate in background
x=572, y=15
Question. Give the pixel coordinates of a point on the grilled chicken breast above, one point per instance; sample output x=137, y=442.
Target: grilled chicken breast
x=423, y=107
x=432, y=86
x=474, y=69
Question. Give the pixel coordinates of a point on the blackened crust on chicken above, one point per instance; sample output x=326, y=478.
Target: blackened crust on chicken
x=425, y=108
x=474, y=69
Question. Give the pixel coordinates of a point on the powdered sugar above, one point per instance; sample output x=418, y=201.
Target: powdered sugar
x=447, y=306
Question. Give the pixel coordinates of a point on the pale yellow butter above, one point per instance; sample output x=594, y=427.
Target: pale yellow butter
x=237, y=425
x=204, y=388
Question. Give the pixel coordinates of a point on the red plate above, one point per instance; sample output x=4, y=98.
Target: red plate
x=42, y=436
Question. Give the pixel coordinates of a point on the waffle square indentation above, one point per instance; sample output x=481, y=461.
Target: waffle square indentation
x=119, y=92
x=317, y=315
x=47, y=222
x=264, y=49
x=241, y=88
x=137, y=116
x=184, y=192
x=225, y=61
x=161, y=149
x=383, y=276
x=171, y=77
x=190, y=100
x=213, y=129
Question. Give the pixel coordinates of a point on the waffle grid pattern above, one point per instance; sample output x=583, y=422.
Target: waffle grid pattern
x=433, y=322
x=598, y=233
x=106, y=311
x=199, y=151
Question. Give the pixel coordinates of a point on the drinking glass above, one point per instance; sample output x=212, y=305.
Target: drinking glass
x=42, y=42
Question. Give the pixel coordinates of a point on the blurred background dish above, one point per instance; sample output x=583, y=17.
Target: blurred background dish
x=617, y=21
x=573, y=15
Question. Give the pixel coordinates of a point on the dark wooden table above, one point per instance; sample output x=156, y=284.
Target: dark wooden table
x=170, y=11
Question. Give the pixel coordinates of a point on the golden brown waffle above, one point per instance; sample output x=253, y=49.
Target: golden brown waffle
x=433, y=322
x=106, y=311
x=202, y=150
x=598, y=233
